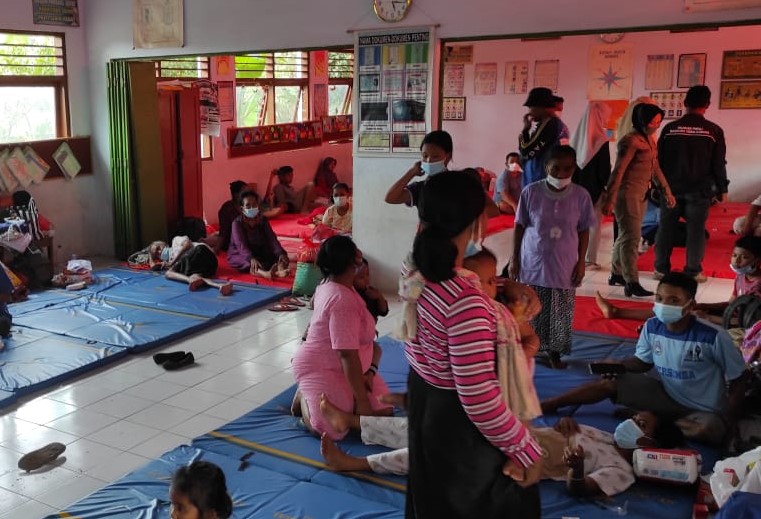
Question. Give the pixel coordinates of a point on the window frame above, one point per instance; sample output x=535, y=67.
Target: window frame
x=59, y=83
x=268, y=114
x=346, y=109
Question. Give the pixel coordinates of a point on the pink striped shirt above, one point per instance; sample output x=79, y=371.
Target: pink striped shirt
x=455, y=349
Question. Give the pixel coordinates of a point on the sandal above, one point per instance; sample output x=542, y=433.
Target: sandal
x=293, y=301
x=282, y=307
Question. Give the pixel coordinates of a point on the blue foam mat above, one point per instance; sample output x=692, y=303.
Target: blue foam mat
x=29, y=365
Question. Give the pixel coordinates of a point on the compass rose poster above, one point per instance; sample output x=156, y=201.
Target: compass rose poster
x=611, y=68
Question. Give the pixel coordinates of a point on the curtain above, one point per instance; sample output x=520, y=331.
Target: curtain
x=126, y=217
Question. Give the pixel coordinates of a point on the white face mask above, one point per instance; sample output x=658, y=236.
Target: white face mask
x=340, y=201
x=513, y=166
x=558, y=183
x=433, y=168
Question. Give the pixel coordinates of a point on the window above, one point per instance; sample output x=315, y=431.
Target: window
x=187, y=67
x=340, y=80
x=32, y=87
x=272, y=88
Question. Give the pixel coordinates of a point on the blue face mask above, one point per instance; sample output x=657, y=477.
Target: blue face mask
x=742, y=271
x=433, y=168
x=165, y=253
x=251, y=212
x=471, y=249
x=668, y=314
x=627, y=433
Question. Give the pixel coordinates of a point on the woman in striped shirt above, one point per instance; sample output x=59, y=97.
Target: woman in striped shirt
x=469, y=455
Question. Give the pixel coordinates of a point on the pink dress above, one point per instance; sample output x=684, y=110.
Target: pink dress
x=341, y=321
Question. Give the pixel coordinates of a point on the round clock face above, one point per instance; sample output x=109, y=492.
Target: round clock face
x=391, y=10
x=612, y=37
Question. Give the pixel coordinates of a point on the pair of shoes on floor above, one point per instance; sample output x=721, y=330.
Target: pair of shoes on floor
x=41, y=457
x=287, y=304
x=636, y=290
x=174, y=360
x=616, y=280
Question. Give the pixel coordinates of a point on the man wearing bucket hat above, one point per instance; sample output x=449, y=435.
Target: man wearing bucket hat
x=542, y=130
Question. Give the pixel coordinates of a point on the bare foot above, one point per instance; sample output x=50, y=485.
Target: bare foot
x=336, y=459
x=398, y=400
x=226, y=289
x=339, y=420
x=266, y=274
x=296, y=404
x=195, y=282
x=608, y=310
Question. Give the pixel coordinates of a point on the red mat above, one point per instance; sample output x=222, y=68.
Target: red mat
x=225, y=271
x=286, y=226
x=718, y=247
x=500, y=223
x=588, y=318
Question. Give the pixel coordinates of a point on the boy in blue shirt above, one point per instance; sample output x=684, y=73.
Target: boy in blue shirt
x=694, y=359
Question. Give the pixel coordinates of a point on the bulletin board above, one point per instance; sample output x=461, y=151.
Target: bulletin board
x=80, y=147
x=392, y=79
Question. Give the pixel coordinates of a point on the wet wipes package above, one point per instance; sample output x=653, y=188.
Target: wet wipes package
x=670, y=465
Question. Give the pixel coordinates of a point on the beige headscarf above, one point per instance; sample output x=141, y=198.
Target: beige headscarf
x=625, y=125
x=590, y=135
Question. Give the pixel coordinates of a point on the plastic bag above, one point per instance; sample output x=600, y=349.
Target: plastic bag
x=78, y=266
x=741, y=473
x=308, y=252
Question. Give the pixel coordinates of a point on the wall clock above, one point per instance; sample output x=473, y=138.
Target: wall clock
x=391, y=11
x=612, y=37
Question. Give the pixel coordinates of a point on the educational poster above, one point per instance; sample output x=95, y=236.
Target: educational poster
x=454, y=81
x=226, y=100
x=66, y=160
x=37, y=167
x=157, y=23
x=546, y=73
x=209, y=100
x=659, y=72
x=16, y=162
x=740, y=94
x=393, y=87
x=611, y=68
x=670, y=102
x=741, y=64
x=9, y=181
x=516, y=77
x=485, y=79
x=458, y=54
x=55, y=12
x=453, y=109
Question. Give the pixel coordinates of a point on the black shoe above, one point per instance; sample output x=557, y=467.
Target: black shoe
x=616, y=279
x=175, y=356
x=186, y=360
x=636, y=290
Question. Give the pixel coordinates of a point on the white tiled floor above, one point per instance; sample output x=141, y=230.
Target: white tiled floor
x=116, y=419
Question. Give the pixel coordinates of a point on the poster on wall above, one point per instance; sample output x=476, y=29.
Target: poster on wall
x=157, y=23
x=458, y=54
x=485, y=80
x=516, y=77
x=453, y=109
x=209, y=101
x=66, y=160
x=454, y=81
x=226, y=100
x=670, y=102
x=692, y=70
x=741, y=64
x=546, y=73
x=659, y=72
x=740, y=94
x=393, y=90
x=55, y=12
x=611, y=68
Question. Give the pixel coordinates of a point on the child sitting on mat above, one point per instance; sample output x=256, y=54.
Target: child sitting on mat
x=508, y=188
x=199, y=491
x=338, y=216
x=254, y=247
x=188, y=262
x=287, y=197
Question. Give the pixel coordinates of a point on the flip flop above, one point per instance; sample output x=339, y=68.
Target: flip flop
x=282, y=307
x=41, y=456
x=226, y=289
x=292, y=301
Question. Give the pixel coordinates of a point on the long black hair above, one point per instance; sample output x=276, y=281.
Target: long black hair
x=642, y=115
x=205, y=486
x=336, y=254
x=448, y=205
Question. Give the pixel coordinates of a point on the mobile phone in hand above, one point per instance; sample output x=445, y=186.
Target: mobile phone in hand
x=606, y=368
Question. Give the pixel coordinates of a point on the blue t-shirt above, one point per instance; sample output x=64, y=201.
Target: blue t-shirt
x=510, y=182
x=6, y=287
x=694, y=365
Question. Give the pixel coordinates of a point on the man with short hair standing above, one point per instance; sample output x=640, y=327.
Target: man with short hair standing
x=692, y=155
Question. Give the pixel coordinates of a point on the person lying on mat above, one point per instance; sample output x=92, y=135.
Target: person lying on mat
x=189, y=262
x=696, y=361
x=339, y=357
x=338, y=215
x=590, y=460
x=254, y=247
x=746, y=264
x=199, y=491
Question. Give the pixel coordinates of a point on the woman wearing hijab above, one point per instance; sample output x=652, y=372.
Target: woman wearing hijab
x=593, y=158
x=636, y=165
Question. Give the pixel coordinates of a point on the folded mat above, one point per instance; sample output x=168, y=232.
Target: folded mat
x=718, y=247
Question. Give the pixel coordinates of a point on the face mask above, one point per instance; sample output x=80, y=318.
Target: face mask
x=741, y=271
x=340, y=201
x=251, y=212
x=471, y=249
x=558, y=183
x=627, y=433
x=165, y=253
x=668, y=314
x=513, y=166
x=432, y=168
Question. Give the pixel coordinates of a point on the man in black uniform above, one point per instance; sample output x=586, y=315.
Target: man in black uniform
x=692, y=155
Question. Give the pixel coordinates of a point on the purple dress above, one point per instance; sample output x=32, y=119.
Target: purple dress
x=258, y=242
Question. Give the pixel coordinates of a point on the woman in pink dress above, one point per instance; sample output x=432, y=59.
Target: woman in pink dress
x=339, y=358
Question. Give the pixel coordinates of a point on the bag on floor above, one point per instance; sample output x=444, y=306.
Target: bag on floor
x=308, y=252
x=308, y=276
x=742, y=473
